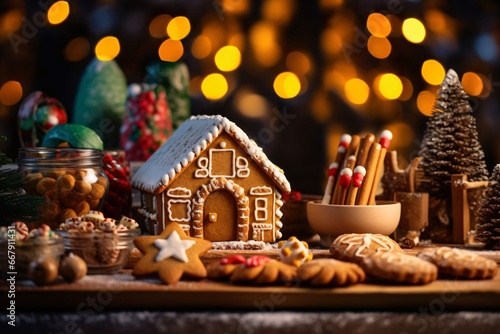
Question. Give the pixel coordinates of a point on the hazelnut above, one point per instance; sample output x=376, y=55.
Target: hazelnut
x=43, y=270
x=72, y=268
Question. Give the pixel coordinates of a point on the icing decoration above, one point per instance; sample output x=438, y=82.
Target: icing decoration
x=202, y=172
x=22, y=230
x=365, y=239
x=385, y=138
x=295, y=252
x=260, y=212
x=359, y=174
x=233, y=259
x=222, y=144
x=179, y=192
x=159, y=170
x=345, y=177
x=259, y=229
x=261, y=190
x=129, y=223
x=213, y=152
x=345, y=141
x=173, y=247
x=187, y=205
x=242, y=167
x=257, y=260
x=333, y=170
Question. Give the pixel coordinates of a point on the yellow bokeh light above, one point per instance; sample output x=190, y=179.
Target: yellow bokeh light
x=298, y=62
x=413, y=30
x=278, y=11
x=228, y=58
x=178, y=28
x=250, y=104
x=407, y=89
x=331, y=42
x=472, y=83
x=214, y=86
x=77, y=49
x=201, y=47
x=107, y=48
x=10, y=93
x=433, y=72
x=425, y=102
x=233, y=6
x=378, y=25
x=379, y=47
x=264, y=42
x=170, y=50
x=158, y=26
x=390, y=86
x=58, y=12
x=356, y=91
x=287, y=85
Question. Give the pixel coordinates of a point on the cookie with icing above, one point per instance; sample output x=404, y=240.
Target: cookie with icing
x=354, y=247
x=172, y=255
x=262, y=270
x=459, y=263
x=330, y=272
x=224, y=268
x=399, y=267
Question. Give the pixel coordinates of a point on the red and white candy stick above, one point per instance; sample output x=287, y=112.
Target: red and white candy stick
x=385, y=141
x=356, y=182
x=332, y=174
x=344, y=182
x=345, y=141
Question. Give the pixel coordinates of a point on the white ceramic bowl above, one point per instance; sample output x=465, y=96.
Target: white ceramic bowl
x=330, y=221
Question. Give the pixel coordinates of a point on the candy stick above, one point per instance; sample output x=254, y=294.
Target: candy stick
x=364, y=149
x=332, y=174
x=356, y=182
x=371, y=168
x=352, y=149
x=344, y=182
x=385, y=141
x=351, y=162
x=345, y=141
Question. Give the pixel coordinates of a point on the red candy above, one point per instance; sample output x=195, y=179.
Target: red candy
x=233, y=259
x=257, y=260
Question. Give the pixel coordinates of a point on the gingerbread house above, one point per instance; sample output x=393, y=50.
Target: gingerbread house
x=213, y=180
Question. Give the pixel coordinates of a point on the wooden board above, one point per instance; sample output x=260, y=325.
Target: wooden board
x=123, y=291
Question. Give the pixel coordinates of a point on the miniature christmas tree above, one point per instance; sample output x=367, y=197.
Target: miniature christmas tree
x=488, y=215
x=450, y=146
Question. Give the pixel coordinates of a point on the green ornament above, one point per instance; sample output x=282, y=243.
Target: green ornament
x=100, y=101
x=175, y=78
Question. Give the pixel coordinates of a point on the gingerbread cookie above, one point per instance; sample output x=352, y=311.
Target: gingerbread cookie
x=262, y=270
x=399, y=267
x=459, y=263
x=171, y=254
x=354, y=247
x=225, y=267
x=330, y=272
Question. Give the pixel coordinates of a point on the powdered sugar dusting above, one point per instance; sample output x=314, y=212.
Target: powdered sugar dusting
x=241, y=245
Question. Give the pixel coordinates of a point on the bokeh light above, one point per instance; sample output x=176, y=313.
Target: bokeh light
x=379, y=47
x=228, y=58
x=298, y=62
x=413, y=30
x=178, y=28
x=201, y=47
x=433, y=72
x=331, y=42
x=264, y=42
x=158, y=26
x=107, y=48
x=250, y=104
x=58, y=12
x=407, y=89
x=77, y=49
x=170, y=50
x=390, y=86
x=287, y=85
x=278, y=11
x=356, y=91
x=425, y=102
x=472, y=83
x=214, y=86
x=378, y=25
x=10, y=93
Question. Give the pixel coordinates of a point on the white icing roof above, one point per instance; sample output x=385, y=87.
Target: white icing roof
x=187, y=142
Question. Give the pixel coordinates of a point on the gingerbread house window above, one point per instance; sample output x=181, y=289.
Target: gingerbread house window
x=260, y=209
x=179, y=210
x=202, y=170
x=222, y=163
x=242, y=166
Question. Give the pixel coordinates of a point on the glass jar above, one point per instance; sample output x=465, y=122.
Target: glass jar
x=119, y=199
x=71, y=181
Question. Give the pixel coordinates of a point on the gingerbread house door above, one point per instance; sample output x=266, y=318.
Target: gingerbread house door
x=219, y=216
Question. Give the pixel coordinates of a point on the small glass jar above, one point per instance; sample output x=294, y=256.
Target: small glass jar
x=71, y=181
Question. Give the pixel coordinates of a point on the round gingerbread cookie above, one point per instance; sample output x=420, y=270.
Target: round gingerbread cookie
x=399, y=267
x=330, y=272
x=261, y=270
x=354, y=247
x=459, y=263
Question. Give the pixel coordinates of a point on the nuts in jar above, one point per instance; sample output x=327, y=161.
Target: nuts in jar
x=70, y=180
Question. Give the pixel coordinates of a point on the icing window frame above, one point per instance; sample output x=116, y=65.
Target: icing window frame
x=260, y=212
x=187, y=203
x=242, y=167
x=233, y=162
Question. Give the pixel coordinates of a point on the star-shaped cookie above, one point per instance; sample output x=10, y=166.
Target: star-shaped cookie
x=171, y=254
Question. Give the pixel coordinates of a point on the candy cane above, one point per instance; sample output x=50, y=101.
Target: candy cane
x=385, y=141
x=332, y=174
x=356, y=182
x=344, y=182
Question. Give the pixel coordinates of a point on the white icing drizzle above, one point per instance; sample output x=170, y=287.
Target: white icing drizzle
x=362, y=242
